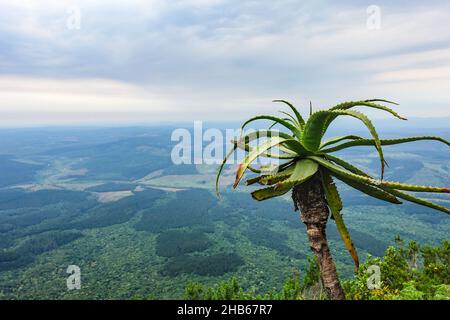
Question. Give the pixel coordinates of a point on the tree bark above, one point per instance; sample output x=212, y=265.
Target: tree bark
x=309, y=198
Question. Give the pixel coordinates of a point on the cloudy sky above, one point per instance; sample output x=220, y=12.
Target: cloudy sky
x=86, y=61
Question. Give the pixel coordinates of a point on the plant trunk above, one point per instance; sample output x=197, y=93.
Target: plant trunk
x=309, y=197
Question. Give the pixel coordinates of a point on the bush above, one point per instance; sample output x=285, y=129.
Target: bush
x=408, y=272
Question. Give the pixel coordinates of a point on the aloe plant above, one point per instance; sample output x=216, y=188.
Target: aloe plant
x=308, y=168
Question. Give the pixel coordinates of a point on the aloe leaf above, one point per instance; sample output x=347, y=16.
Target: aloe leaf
x=338, y=170
x=335, y=204
x=422, y=202
x=243, y=141
x=339, y=139
x=314, y=130
x=286, y=119
x=271, y=142
x=254, y=180
x=381, y=100
x=384, y=142
x=246, y=139
x=280, y=173
x=293, y=150
x=412, y=187
x=295, y=130
x=290, y=149
x=270, y=192
x=230, y=152
x=249, y=148
x=377, y=183
x=303, y=170
x=346, y=165
x=294, y=146
x=368, y=189
x=300, y=119
x=290, y=118
x=254, y=170
x=257, y=134
x=318, y=123
x=366, y=103
x=275, y=178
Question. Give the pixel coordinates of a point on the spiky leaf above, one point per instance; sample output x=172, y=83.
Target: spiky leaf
x=318, y=123
x=384, y=142
x=368, y=189
x=270, y=143
x=275, y=178
x=346, y=165
x=366, y=103
x=294, y=109
x=339, y=139
x=335, y=204
x=303, y=170
x=268, y=193
x=387, y=185
x=296, y=131
x=422, y=202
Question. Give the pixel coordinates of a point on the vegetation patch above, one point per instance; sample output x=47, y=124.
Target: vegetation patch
x=214, y=265
x=25, y=253
x=263, y=236
x=191, y=207
x=175, y=243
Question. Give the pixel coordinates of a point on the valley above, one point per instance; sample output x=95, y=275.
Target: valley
x=138, y=226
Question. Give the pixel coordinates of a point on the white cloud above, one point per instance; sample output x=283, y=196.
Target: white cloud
x=219, y=59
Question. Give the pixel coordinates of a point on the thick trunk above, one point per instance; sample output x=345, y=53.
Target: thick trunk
x=310, y=199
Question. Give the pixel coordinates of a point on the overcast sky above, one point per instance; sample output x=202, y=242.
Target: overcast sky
x=217, y=60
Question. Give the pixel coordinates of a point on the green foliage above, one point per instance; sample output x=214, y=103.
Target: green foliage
x=442, y=292
x=312, y=276
x=294, y=288
x=409, y=292
x=232, y=290
x=407, y=273
x=291, y=289
x=226, y=290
